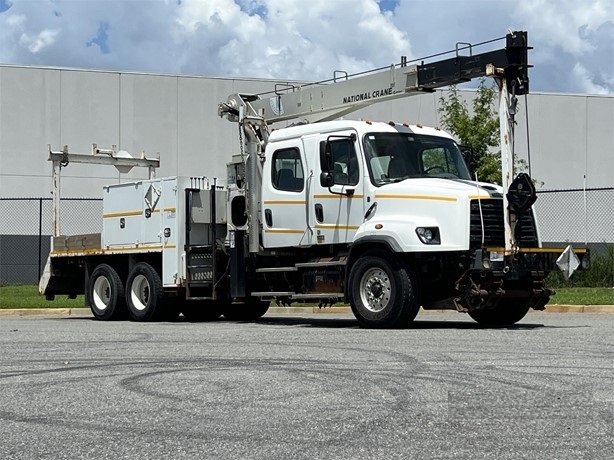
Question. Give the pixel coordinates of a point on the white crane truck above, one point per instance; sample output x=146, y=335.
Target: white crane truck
x=383, y=216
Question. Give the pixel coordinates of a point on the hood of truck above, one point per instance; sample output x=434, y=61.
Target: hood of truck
x=434, y=186
x=399, y=209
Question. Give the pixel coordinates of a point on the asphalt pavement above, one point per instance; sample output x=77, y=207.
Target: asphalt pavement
x=307, y=386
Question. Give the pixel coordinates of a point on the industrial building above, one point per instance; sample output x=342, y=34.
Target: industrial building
x=571, y=140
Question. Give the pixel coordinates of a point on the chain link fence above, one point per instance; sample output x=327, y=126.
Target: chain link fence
x=26, y=228
x=565, y=216
x=576, y=216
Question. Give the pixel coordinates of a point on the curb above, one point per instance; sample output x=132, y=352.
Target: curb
x=46, y=312
x=85, y=312
x=577, y=309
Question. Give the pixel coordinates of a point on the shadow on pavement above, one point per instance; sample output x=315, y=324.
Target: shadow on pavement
x=329, y=322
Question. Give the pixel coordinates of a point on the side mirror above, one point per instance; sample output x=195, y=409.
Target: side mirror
x=326, y=157
x=326, y=179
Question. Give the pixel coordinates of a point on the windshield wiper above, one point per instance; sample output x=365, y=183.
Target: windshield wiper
x=394, y=180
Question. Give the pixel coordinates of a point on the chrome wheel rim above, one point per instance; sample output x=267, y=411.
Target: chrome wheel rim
x=101, y=295
x=140, y=292
x=375, y=289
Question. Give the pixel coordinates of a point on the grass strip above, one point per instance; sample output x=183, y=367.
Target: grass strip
x=583, y=296
x=27, y=296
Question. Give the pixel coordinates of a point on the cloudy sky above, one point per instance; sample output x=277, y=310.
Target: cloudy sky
x=573, y=40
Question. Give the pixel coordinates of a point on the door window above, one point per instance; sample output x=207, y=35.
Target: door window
x=287, y=173
x=345, y=162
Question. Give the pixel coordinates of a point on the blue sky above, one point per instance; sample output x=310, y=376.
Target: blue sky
x=295, y=39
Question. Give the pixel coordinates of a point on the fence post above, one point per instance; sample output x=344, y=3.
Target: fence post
x=40, y=235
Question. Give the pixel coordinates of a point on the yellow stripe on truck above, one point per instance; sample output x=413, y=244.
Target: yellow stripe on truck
x=283, y=230
x=337, y=227
x=417, y=197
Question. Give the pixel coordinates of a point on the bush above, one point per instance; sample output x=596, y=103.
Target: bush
x=600, y=274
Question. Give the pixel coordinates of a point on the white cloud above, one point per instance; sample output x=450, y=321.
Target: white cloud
x=576, y=41
x=560, y=24
x=306, y=42
x=586, y=81
x=15, y=20
x=294, y=39
x=39, y=42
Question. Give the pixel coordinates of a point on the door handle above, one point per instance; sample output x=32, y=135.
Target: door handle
x=268, y=217
x=319, y=212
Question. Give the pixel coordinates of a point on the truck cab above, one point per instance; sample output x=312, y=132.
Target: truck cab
x=344, y=182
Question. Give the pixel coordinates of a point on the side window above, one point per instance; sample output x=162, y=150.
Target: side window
x=345, y=162
x=437, y=161
x=287, y=173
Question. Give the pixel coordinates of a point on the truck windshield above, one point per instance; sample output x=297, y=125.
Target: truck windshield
x=393, y=157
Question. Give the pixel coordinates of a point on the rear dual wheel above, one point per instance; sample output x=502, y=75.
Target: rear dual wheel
x=106, y=293
x=145, y=294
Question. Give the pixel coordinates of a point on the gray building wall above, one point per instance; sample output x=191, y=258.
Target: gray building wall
x=571, y=138
x=175, y=116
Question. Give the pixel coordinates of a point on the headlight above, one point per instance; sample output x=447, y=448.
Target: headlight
x=428, y=235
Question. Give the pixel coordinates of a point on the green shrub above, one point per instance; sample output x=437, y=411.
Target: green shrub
x=600, y=274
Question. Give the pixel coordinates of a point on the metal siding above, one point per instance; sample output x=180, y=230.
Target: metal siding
x=30, y=102
x=148, y=114
x=88, y=114
x=200, y=151
x=600, y=142
x=558, y=140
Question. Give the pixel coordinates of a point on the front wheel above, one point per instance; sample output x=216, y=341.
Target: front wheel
x=144, y=293
x=383, y=293
x=505, y=313
x=106, y=293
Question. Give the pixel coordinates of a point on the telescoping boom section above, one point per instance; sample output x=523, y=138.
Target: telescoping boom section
x=335, y=98
x=385, y=217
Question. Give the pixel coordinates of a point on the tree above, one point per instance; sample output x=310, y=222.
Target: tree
x=478, y=131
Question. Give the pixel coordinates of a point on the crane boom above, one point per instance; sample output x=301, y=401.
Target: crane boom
x=324, y=101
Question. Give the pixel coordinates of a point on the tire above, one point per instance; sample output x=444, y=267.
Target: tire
x=106, y=293
x=383, y=294
x=505, y=313
x=248, y=311
x=144, y=294
x=201, y=310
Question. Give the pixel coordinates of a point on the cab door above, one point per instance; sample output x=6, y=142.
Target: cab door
x=338, y=210
x=284, y=204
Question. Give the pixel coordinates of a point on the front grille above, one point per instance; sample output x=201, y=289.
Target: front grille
x=526, y=232
x=494, y=230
